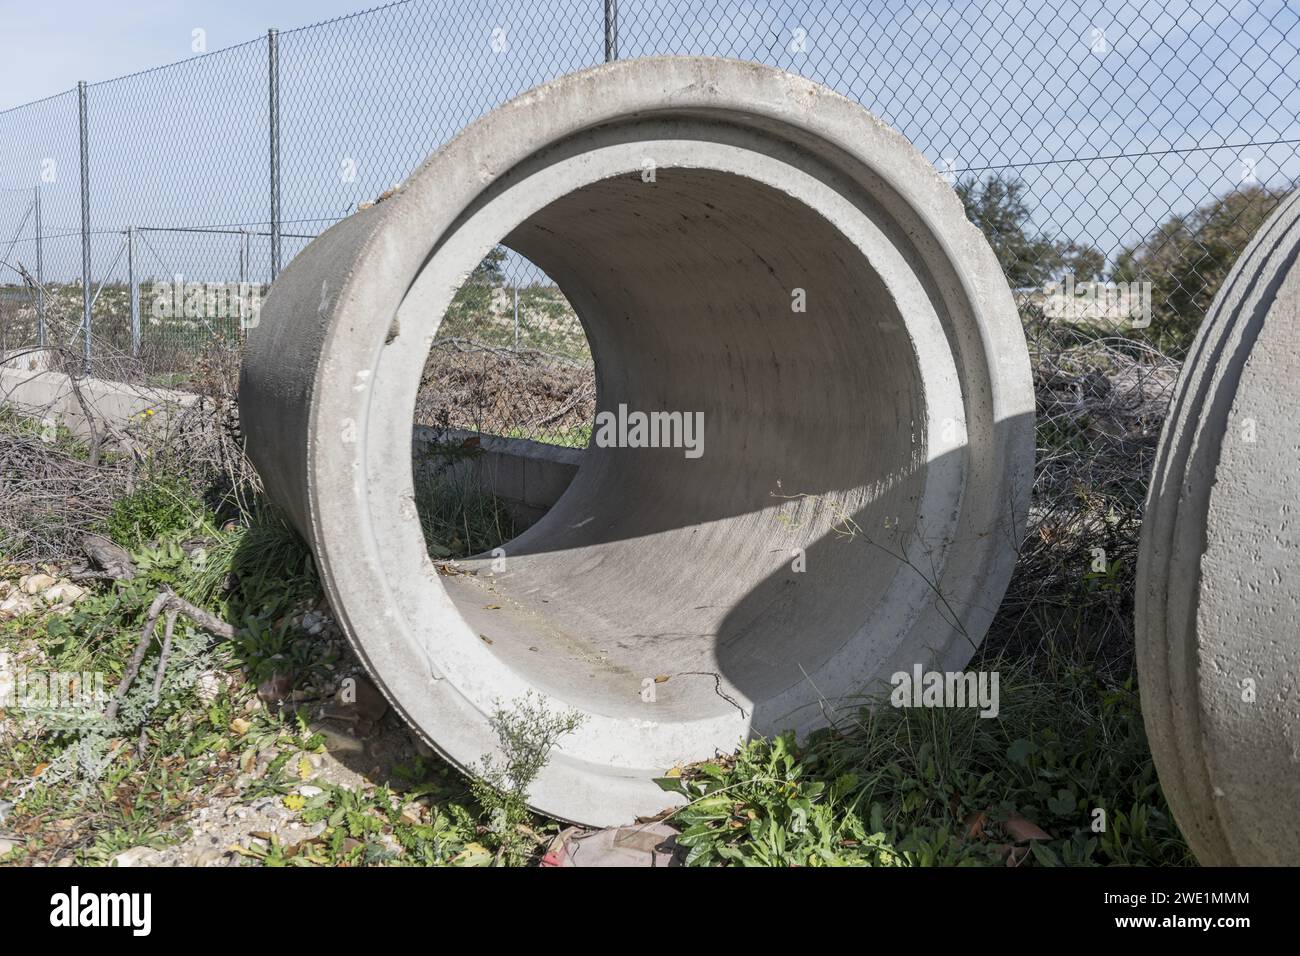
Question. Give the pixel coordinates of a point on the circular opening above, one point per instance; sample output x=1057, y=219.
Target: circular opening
x=510, y=359
x=751, y=305
x=508, y=383
x=789, y=426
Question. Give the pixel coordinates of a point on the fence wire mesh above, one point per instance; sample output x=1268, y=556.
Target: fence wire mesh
x=1117, y=155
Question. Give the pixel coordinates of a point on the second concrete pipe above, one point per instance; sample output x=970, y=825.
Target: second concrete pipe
x=740, y=243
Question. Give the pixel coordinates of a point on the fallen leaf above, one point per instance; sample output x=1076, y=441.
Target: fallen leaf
x=1016, y=855
x=973, y=825
x=474, y=854
x=1022, y=830
x=240, y=726
x=661, y=679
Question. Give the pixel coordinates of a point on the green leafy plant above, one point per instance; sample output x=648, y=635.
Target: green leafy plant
x=527, y=731
x=162, y=506
x=1065, y=762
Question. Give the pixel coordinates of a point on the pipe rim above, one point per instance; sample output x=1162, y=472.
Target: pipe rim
x=998, y=394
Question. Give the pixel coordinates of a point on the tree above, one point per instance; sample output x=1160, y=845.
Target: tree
x=489, y=271
x=999, y=209
x=1187, y=258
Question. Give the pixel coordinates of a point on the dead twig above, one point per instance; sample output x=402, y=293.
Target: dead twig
x=172, y=604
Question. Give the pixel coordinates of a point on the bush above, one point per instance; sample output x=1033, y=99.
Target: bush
x=1187, y=258
x=163, y=506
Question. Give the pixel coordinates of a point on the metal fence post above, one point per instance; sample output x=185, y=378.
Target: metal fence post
x=516, y=288
x=135, y=292
x=243, y=280
x=273, y=83
x=40, y=276
x=611, y=30
x=85, y=223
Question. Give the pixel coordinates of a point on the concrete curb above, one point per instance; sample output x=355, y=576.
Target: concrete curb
x=528, y=476
x=50, y=395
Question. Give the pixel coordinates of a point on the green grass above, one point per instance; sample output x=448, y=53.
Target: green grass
x=579, y=436
x=163, y=506
x=945, y=787
x=48, y=431
x=82, y=788
x=885, y=787
x=459, y=518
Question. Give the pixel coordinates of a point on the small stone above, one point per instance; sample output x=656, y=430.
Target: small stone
x=34, y=584
x=309, y=791
x=424, y=750
x=8, y=674
x=136, y=856
x=275, y=688
x=337, y=742
x=208, y=686
x=7, y=846
x=16, y=605
x=65, y=592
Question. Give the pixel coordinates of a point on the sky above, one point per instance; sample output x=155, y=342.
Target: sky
x=51, y=44
x=1114, y=114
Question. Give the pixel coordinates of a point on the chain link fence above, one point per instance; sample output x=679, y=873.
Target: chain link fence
x=1117, y=155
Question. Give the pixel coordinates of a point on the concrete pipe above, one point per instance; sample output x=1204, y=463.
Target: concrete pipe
x=1218, y=602
x=745, y=249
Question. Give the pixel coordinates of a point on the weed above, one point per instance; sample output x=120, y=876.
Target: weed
x=162, y=506
x=459, y=518
x=527, y=732
x=943, y=786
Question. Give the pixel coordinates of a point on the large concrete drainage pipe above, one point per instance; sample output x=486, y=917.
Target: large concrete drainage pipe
x=1218, y=603
x=743, y=247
